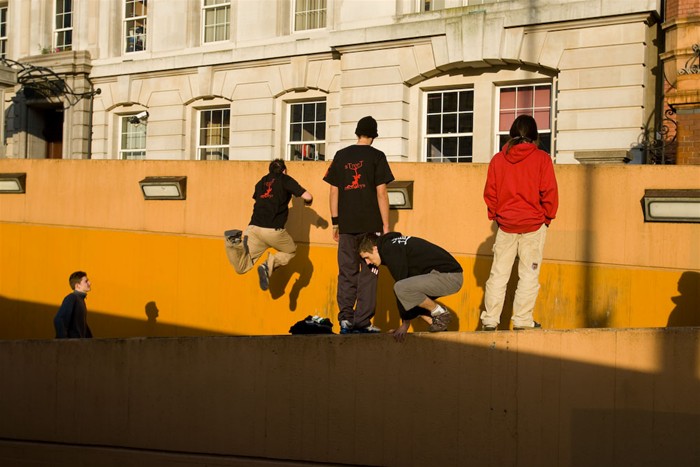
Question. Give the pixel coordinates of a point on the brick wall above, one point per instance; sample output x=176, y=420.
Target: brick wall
x=688, y=137
x=682, y=8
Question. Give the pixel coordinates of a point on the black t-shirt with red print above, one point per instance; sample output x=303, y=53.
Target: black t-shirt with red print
x=272, y=195
x=357, y=171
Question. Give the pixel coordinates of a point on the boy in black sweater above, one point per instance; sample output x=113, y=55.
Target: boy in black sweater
x=422, y=271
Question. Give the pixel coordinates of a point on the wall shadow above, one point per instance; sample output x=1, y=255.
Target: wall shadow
x=687, y=309
x=300, y=267
x=516, y=399
x=29, y=320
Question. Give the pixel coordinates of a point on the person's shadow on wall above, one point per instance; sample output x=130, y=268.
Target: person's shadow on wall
x=482, y=270
x=300, y=266
x=687, y=309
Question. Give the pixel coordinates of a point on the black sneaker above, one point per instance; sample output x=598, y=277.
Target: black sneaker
x=233, y=236
x=535, y=325
x=440, y=322
x=488, y=327
x=264, y=276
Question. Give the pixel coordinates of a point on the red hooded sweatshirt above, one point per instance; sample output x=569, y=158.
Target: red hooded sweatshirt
x=521, y=189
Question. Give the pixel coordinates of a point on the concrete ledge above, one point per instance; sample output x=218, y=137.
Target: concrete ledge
x=602, y=157
x=536, y=398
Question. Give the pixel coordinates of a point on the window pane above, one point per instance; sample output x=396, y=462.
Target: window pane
x=542, y=119
x=449, y=149
x=507, y=98
x=543, y=96
x=434, y=103
x=449, y=102
x=505, y=120
x=525, y=97
x=308, y=133
x=466, y=100
x=434, y=124
x=449, y=123
x=466, y=122
x=309, y=112
x=465, y=149
x=309, y=14
x=295, y=132
x=321, y=130
x=434, y=150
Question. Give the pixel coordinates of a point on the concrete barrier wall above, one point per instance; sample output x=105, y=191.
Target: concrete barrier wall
x=523, y=399
x=158, y=267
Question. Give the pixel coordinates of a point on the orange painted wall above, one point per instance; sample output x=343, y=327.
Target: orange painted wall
x=603, y=265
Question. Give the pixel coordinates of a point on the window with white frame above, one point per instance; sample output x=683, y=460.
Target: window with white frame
x=309, y=14
x=132, y=141
x=63, y=25
x=449, y=125
x=430, y=5
x=135, y=13
x=534, y=100
x=306, y=138
x=213, y=135
x=216, y=22
x=3, y=31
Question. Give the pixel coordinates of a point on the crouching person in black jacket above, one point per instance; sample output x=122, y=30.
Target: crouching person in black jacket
x=422, y=271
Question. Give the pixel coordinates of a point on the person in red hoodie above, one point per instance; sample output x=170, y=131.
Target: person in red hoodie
x=522, y=197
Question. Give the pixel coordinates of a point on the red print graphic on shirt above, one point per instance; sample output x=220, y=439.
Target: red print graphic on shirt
x=355, y=185
x=268, y=192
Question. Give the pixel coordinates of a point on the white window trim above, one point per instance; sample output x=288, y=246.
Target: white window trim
x=204, y=21
x=288, y=122
x=198, y=123
x=497, y=113
x=293, y=20
x=3, y=39
x=57, y=31
x=123, y=153
x=125, y=22
x=424, y=117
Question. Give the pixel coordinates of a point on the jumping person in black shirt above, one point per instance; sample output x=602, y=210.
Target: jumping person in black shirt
x=422, y=271
x=266, y=229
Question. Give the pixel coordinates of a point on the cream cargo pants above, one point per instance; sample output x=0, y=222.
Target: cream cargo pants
x=528, y=247
x=259, y=240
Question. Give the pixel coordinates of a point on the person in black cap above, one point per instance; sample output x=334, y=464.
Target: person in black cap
x=359, y=203
x=266, y=228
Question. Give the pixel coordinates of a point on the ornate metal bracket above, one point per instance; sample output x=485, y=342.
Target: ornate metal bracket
x=692, y=66
x=659, y=145
x=44, y=82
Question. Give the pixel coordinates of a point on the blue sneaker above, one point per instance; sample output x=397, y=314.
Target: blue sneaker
x=345, y=326
x=264, y=276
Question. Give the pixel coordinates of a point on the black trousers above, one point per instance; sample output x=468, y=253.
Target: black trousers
x=357, y=284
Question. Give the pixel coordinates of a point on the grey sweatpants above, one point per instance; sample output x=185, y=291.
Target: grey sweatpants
x=412, y=291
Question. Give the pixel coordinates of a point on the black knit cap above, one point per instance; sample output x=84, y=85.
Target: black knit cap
x=367, y=126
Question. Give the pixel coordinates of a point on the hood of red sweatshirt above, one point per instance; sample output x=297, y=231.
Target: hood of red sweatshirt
x=519, y=152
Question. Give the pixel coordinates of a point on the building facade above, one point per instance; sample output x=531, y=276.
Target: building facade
x=261, y=79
